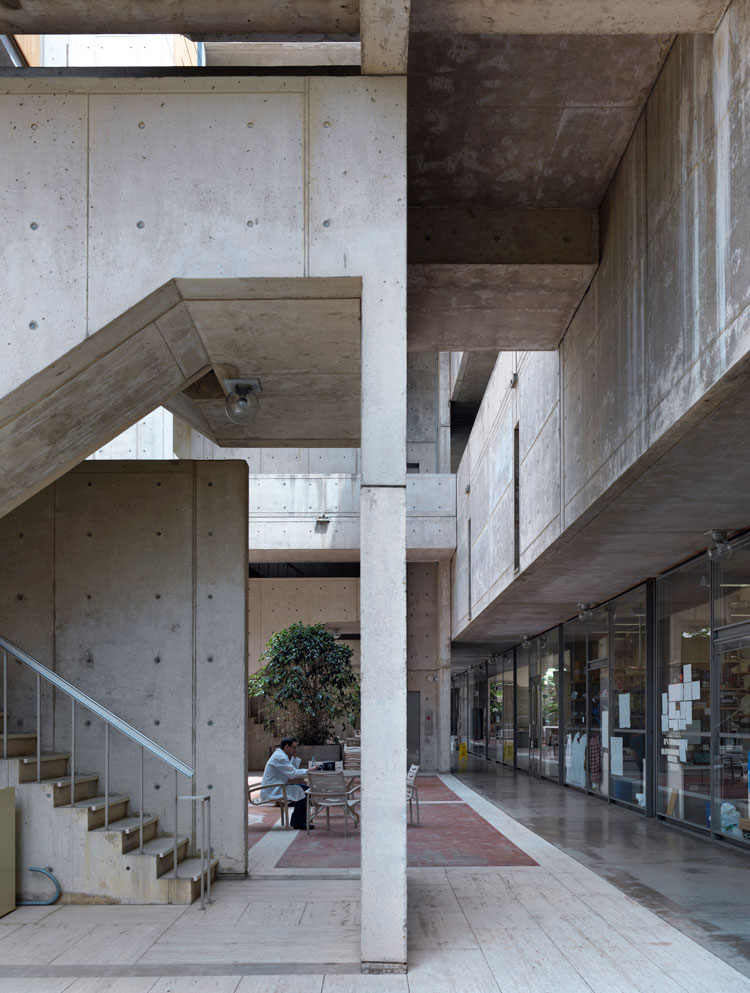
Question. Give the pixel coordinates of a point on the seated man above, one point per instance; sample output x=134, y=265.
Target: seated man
x=284, y=767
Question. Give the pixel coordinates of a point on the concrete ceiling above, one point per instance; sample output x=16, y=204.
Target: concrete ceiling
x=512, y=143
x=523, y=121
x=696, y=479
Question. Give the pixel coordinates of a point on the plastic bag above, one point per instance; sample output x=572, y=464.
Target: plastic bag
x=730, y=818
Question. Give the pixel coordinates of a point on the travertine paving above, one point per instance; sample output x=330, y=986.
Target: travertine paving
x=553, y=927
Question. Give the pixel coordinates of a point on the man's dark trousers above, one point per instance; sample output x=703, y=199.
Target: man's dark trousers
x=299, y=811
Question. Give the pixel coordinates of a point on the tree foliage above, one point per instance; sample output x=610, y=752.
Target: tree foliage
x=308, y=675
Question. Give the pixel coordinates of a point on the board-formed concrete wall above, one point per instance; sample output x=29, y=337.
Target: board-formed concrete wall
x=663, y=325
x=129, y=580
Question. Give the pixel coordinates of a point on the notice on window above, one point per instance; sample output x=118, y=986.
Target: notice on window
x=695, y=689
x=665, y=723
x=605, y=728
x=687, y=673
x=624, y=710
x=616, y=752
x=664, y=703
x=675, y=691
x=683, y=750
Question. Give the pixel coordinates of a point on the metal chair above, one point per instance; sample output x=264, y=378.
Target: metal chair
x=328, y=792
x=259, y=802
x=412, y=793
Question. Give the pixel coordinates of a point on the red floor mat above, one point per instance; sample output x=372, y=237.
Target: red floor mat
x=451, y=834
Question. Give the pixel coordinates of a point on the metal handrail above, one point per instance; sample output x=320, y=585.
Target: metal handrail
x=96, y=708
x=110, y=720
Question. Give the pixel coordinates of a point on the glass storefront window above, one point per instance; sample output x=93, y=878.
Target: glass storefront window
x=460, y=713
x=733, y=659
x=478, y=710
x=628, y=739
x=684, y=729
x=523, y=712
x=509, y=695
x=550, y=730
x=574, y=688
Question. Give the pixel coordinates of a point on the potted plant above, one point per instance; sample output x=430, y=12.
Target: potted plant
x=308, y=684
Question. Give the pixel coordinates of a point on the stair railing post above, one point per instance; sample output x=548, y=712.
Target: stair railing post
x=5, y=705
x=141, y=800
x=176, y=791
x=203, y=850
x=208, y=897
x=72, y=751
x=106, y=775
x=38, y=728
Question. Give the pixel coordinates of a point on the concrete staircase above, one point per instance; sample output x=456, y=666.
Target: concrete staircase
x=94, y=864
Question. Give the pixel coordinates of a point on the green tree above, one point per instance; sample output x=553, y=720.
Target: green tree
x=309, y=676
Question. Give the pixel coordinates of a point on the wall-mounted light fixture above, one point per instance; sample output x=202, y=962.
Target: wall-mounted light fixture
x=585, y=612
x=719, y=547
x=242, y=404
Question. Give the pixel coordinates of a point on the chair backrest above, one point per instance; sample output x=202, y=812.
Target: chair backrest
x=412, y=775
x=326, y=783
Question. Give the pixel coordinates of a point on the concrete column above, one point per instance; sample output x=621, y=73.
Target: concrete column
x=383, y=626
x=357, y=226
x=383, y=591
x=444, y=663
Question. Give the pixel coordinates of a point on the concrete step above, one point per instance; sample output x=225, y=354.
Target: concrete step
x=118, y=808
x=18, y=744
x=85, y=788
x=129, y=829
x=162, y=848
x=54, y=766
x=185, y=887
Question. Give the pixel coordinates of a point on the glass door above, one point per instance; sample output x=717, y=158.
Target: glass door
x=597, y=744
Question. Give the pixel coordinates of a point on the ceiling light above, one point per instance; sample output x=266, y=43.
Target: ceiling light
x=719, y=548
x=242, y=404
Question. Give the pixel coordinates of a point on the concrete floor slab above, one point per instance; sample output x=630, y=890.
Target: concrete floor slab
x=573, y=922
x=690, y=882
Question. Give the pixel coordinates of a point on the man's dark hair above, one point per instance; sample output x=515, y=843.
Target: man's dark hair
x=287, y=741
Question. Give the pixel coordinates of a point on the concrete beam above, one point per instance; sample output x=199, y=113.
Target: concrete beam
x=500, y=307
x=384, y=31
x=183, y=16
x=456, y=236
x=568, y=16
x=285, y=17
x=282, y=53
x=473, y=374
